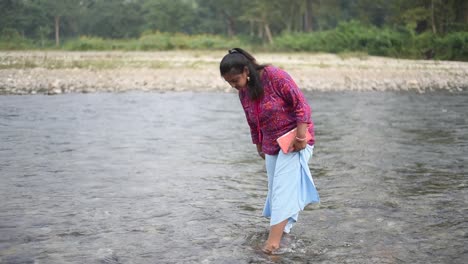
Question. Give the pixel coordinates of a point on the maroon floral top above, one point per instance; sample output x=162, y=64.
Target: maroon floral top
x=279, y=110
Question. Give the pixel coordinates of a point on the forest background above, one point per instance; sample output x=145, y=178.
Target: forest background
x=416, y=29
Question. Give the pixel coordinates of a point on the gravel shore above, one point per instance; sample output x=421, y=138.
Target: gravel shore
x=52, y=72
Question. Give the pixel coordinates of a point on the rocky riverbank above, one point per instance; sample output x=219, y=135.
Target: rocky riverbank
x=51, y=72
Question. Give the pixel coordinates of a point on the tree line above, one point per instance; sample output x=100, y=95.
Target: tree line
x=255, y=21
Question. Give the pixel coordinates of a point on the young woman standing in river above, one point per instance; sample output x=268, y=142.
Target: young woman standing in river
x=274, y=105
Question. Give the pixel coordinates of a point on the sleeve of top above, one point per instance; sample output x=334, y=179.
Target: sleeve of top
x=291, y=94
x=252, y=125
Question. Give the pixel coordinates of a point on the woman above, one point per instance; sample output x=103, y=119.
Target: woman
x=274, y=105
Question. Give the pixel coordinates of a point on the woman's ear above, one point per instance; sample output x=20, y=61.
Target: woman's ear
x=246, y=70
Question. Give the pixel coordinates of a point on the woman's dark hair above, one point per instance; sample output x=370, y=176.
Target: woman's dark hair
x=234, y=63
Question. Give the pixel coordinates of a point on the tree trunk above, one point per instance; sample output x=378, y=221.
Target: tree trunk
x=57, y=31
x=230, y=27
x=252, y=28
x=434, y=30
x=461, y=11
x=268, y=33
x=230, y=24
x=260, y=31
x=465, y=13
x=308, y=17
x=319, y=6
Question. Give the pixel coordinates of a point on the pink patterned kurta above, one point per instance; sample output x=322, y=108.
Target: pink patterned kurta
x=280, y=109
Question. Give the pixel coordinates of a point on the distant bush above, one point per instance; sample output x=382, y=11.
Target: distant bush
x=169, y=41
x=347, y=37
x=10, y=39
x=356, y=37
x=85, y=43
x=421, y=46
x=453, y=46
x=154, y=41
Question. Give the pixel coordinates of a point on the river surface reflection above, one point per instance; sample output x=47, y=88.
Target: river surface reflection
x=173, y=178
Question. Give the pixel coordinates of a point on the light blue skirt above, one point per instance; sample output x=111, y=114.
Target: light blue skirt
x=290, y=186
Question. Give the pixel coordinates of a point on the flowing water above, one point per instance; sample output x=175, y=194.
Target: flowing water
x=174, y=178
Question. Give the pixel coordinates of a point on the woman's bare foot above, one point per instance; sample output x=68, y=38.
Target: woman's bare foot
x=269, y=248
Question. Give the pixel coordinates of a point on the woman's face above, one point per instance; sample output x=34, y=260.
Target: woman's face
x=237, y=81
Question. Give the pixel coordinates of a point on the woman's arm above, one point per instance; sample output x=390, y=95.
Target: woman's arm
x=293, y=96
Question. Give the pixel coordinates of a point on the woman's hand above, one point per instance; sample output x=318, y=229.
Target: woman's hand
x=260, y=152
x=299, y=145
x=262, y=155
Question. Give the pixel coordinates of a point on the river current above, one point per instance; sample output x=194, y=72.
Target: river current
x=174, y=178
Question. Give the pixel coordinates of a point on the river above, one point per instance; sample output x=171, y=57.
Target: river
x=174, y=178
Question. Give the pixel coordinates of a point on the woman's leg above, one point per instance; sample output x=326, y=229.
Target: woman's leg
x=281, y=186
x=290, y=188
x=274, y=238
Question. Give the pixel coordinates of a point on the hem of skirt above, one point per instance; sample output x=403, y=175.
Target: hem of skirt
x=291, y=214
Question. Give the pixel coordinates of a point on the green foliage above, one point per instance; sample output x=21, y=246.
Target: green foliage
x=355, y=54
x=93, y=43
x=351, y=36
x=169, y=41
x=453, y=46
x=10, y=39
x=112, y=19
x=154, y=41
x=356, y=37
x=422, y=45
x=170, y=15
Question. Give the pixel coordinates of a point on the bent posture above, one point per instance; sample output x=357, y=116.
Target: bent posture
x=274, y=105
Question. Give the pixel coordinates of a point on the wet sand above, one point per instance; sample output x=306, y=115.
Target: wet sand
x=56, y=72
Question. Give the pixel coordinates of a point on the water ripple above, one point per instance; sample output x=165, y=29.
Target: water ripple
x=174, y=178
